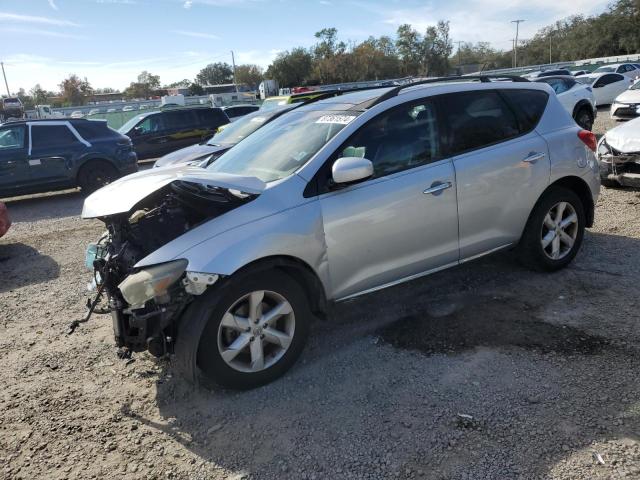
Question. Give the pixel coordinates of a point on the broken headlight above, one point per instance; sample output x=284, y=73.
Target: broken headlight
x=151, y=282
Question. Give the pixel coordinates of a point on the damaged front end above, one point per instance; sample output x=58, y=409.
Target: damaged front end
x=146, y=302
x=618, y=167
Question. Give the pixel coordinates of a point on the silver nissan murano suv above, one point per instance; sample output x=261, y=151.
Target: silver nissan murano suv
x=225, y=267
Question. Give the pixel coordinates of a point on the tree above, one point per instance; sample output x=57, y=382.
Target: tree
x=409, y=45
x=38, y=94
x=292, y=68
x=146, y=85
x=215, y=74
x=74, y=90
x=250, y=75
x=106, y=90
x=195, y=89
x=436, y=48
x=181, y=84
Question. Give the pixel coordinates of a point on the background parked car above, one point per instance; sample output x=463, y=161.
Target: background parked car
x=575, y=73
x=157, y=133
x=43, y=155
x=619, y=155
x=626, y=104
x=577, y=98
x=222, y=141
x=631, y=70
x=236, y=111
x=606, y=86
x=547, y=73
x=5, y=221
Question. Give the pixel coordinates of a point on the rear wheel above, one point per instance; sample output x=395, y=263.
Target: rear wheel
x=252, y=330
x=584, y=118
x=554, y=231
x=96, y=174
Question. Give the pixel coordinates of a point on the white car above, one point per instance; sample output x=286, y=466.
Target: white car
x=627, y=104
x=577, y=98
x=77, y=114
x=631, y=70
x=129, y=108
x=606, y=86
x=619, y=155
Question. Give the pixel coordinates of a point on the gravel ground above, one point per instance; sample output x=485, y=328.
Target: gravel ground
x=485, y=371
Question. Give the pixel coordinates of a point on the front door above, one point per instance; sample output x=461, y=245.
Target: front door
x=14, y=169
x=403, y=221
x=150, y=137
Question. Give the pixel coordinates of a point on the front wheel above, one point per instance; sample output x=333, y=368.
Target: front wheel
x=96, y=174
x=255, y=328
x=554, y=231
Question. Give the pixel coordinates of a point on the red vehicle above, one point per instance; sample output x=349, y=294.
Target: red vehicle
x=5, y=221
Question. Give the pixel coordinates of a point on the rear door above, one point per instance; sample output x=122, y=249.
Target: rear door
x=183, y=128
x=53, y=149
x=501, y=164
x=403, y=221
x=14, y=168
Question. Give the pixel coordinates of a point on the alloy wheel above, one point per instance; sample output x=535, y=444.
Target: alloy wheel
x=256, y=331
x=559, y=231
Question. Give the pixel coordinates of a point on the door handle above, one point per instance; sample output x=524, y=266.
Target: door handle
x=437, y=187
x=534, y=157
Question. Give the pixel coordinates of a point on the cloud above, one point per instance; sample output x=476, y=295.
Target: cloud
x=52, y=4
x=39, y=32
x=188, y=33
x=16, y=18
x=187, y=4
x=120, y=2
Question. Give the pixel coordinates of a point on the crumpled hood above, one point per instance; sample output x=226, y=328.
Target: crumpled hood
x=123, y=194
x=629, y=96
x=626, y=137
x=189, y=154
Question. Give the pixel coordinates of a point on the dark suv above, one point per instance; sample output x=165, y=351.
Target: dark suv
x=43, y=155
x=157, y=133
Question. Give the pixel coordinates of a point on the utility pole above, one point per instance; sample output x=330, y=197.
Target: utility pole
x=549, y=47
x=5, y=79
x=233, y=62
x=515, y=50
x=459, y=43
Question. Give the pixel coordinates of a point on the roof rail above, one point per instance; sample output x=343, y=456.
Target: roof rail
x=481, y=78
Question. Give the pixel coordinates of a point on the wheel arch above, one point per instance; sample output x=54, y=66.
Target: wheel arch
x=580, y=188
x=93, y=159
x=301, y=272
x=583, y=103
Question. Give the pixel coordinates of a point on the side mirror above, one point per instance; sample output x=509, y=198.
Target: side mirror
x=351, y=169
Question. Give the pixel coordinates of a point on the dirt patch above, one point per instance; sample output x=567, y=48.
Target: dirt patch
x=487, y=322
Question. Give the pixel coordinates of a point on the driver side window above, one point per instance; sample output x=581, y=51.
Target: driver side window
x=12, y=137
x=399, y=139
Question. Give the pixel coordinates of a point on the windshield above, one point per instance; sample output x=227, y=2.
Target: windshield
x=635, y=86
x=130, y=124
x=605, y=69
x=586, y=80
x=241, y=128
x=282, y=146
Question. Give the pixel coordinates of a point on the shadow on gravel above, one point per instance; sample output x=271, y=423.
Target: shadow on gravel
x=526, y=357
x=488, y=322
x=22, y=265
x=47, y=206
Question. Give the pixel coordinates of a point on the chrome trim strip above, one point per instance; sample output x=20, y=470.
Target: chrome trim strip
x=397, y=282
x=488, y=252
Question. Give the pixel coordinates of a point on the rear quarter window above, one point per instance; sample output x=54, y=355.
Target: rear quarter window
x=94, y=130
x=528, y=106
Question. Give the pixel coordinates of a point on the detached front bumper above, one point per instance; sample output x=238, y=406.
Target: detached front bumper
x=623, y=169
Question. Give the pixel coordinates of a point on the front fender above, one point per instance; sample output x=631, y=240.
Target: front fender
x=296, y=232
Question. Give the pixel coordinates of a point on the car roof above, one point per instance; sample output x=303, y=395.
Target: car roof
x=550, y=77
x=599, y=74
x=240, y=105
x=52, y=120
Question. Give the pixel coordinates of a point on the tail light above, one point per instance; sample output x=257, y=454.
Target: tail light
x=589, y=139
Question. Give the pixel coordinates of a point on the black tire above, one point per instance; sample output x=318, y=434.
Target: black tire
x=96, y=174
x=584, y=118
x=530, y=250
x=197, y=354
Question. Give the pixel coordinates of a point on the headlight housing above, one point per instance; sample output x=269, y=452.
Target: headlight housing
x=151, y=282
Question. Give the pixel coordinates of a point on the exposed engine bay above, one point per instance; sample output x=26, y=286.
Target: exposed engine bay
x=149, y=321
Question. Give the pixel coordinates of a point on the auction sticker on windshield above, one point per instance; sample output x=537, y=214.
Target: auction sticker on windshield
x=340, y=119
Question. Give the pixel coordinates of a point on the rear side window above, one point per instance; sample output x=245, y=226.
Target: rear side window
x=528, y=105
x=211, y=118
x=607, y=79
x=47, y=136
x=477, y=119
x=93, y=129
x=179, y=120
